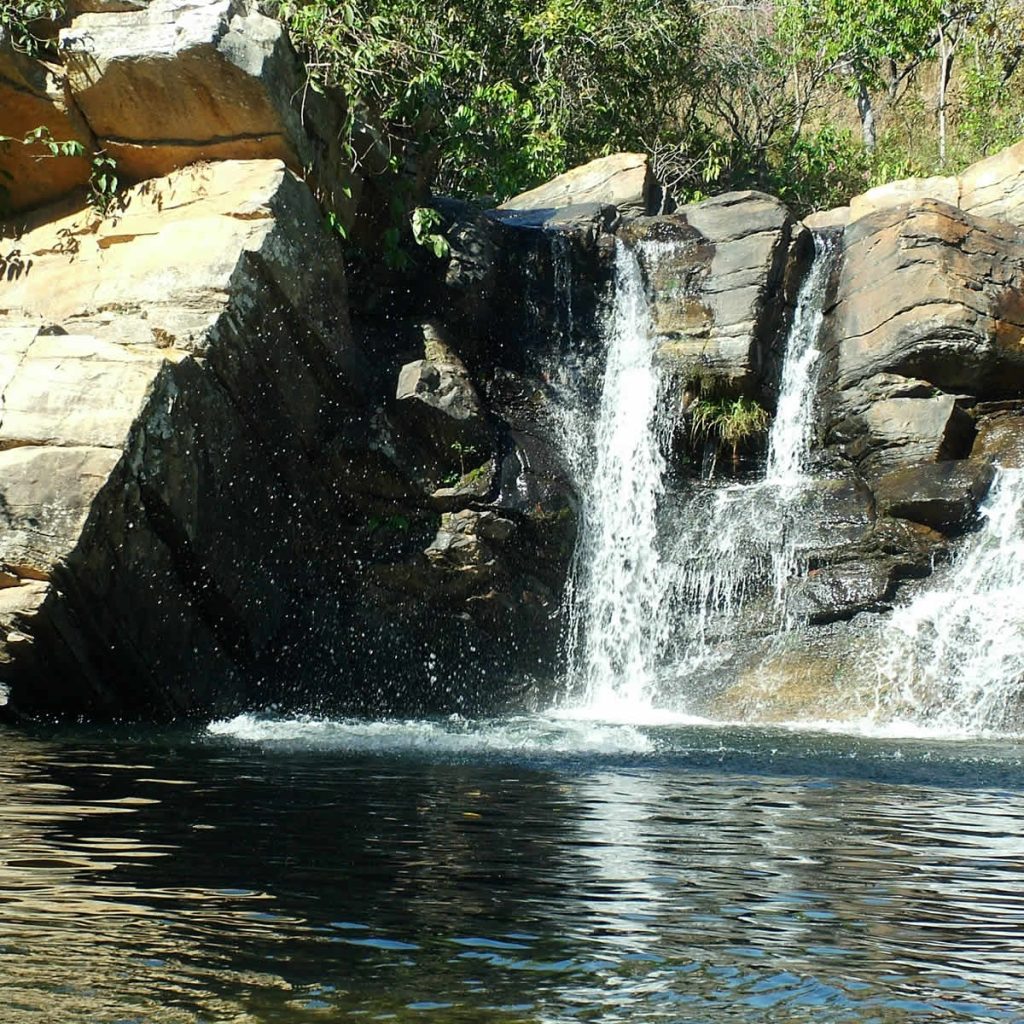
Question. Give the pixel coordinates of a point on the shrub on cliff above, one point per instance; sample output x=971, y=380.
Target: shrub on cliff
x=498, y=95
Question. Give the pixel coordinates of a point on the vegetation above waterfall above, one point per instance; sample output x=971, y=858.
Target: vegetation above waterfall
x=813, y=100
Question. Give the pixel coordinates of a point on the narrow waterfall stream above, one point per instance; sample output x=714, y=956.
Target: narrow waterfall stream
x=953, y=657
x=640, y=593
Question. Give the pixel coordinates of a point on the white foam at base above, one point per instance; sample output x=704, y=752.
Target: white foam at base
x=522, y=734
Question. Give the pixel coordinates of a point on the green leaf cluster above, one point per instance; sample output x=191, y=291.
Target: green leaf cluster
x=26, y=22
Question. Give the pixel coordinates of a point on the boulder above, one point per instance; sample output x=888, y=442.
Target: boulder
x=440, y=410
x=1001, y=439
x=930, y=292
x=167, y=491
x=35, y=95
x=622, y=180
x=466, y=540
x=994, y=187
x=716, y=291
x=828, y=220
x=835, y=592
x=900, y=432
x=941, y=495
x=900, y=193
x=74, y=390
x=587, y=219
x=174, y=82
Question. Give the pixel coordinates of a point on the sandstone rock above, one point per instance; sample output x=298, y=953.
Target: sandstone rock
x=819, y=681
x=165, y=458
x=994, y=187
x=76, y=7
x=716, y=295
x=840, y=591
x=828, y=220
x=173, y=82
x=466, y=539
x=1001, y=440
x=902, y=432
x=75, y=390
x=622, y=180
x=928, y=291
x=941, y=495
x=440, y=408
x=833, y=512
x=588, y=219
x=46, y=495
x=35, y=95
x=908, y=190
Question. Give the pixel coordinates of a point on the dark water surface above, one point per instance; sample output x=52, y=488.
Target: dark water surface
x=518, y=871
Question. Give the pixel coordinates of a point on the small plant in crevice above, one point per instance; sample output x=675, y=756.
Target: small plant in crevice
x=729, y=423
x=462, y=450
x=103, y=183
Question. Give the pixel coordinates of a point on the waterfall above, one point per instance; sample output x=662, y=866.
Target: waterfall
x=792, y=431
x=953, y=657
x=735, y=539
x=635, y=594
x=617, y=606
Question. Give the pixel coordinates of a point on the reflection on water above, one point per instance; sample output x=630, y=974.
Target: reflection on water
x=709, y=875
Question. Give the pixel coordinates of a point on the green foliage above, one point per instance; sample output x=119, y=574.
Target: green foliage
x=500, y=94
x=462, y=450
x=42, y=137
x=424, y=220
x=865, y=42
x=491, y=97
x=103, y=183
x=478, y=473
x=24, y=22
x=729, y=422
x=388, y=524
x=335, y=225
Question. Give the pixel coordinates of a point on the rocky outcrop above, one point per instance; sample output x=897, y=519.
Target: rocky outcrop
x=216, y=491
x=623, y=181
x=940, y=495
x=931, y=292
x=226, y=85
x=229, y=475
x=1000, y=438
x=927, y=322
x=164, y=430
x=993, y=187
x=925, y=349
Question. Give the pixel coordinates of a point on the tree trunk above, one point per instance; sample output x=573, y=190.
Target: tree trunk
x=945, y=66
x=867, y=118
